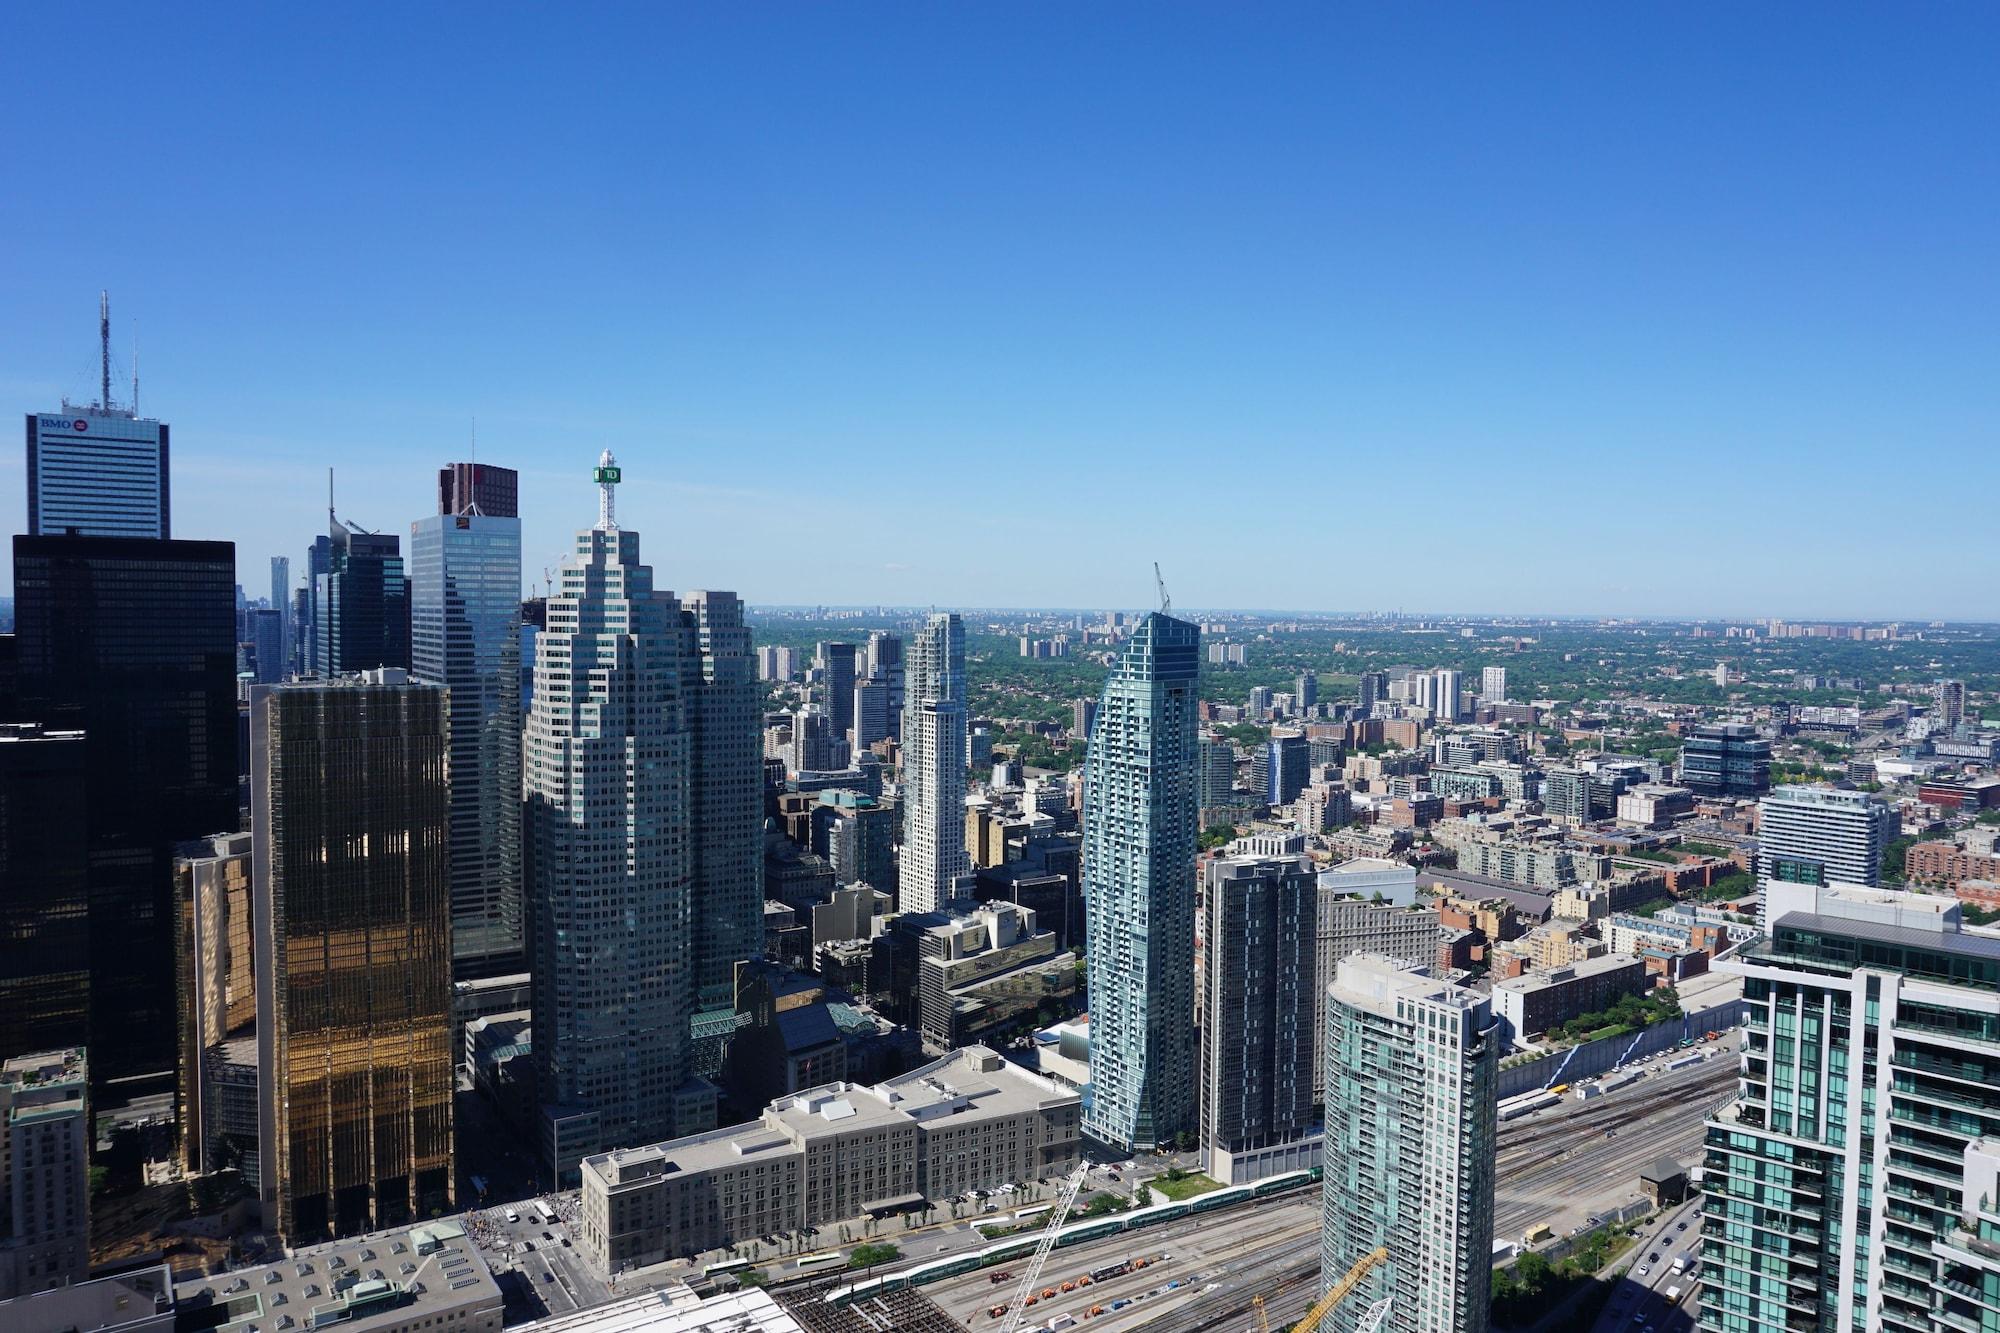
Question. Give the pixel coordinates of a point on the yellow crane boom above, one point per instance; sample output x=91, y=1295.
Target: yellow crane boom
x=1335, y=1294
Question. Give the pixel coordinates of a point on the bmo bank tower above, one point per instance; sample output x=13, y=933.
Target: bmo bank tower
x=97, y=473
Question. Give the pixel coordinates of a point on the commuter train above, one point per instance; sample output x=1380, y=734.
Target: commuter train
x=1075, y=1233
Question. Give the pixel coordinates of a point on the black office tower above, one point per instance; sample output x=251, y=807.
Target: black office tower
x=132, y=641
x=363, y=605
x=44, y=891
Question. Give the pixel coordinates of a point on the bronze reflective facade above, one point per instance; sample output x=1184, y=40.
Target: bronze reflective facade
x=353, y=954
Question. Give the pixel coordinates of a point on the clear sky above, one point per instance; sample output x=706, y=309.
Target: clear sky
x=1644, y=309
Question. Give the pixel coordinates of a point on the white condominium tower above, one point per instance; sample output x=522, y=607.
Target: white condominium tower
x=1412, y=1070
x=1820, y=835
x=607, y=758
x=1139, y=829
x=935, y=871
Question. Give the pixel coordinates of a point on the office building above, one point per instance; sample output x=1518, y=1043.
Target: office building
x=262, y=632
x=967, y=1121
x=1412, y=1069
x=215, y=956
x=836, y=673
x=281, y=602
x=1139, y=827
x=1851, y=1183
x=98, y=470
x=133, y=641
x=873, y=717
x=860, y=839
x=1217, y=778
x=1260, y=930
x=44, y=1172
x=480, y=489
x=982, y=973
x=305, y=635
x=351, y=818
x=613, y=929
x=1822, y=834
x=885, y=666
x=1305, y=693
x=726, y=797
x=934, y=870
x=465, y=634
x=1726, y=759
x=361, y=603
x=1493, y=685
x=44, y=890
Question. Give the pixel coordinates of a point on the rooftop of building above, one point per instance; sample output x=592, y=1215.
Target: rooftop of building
x=101, y=1305
x=973, y=1079
x=1376, y=982
x=1582, y=969
x=56, y=1068
x=366, y=1282
x=676, y=1309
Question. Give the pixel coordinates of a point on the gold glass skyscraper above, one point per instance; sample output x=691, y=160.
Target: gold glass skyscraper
x=353, y=953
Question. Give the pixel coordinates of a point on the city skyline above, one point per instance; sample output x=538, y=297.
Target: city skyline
x=1618, y=272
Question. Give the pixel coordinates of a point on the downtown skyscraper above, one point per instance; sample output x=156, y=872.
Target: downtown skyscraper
x=133, y=642
x=726, y=800
x=352, y=914
x=465, y=634
x=607, y=764
x=935, y=871
x=1139, y=831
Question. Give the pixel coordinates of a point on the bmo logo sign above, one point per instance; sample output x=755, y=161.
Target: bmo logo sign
x=78, y=424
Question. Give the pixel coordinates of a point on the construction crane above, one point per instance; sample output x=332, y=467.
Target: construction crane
x=1166, y=602
x=1335, y=1294
x=1033, y=1272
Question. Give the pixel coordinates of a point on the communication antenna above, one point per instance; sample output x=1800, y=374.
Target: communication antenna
x=1166, y=602
x=135, y=367
x=607, y=476
x=104, y=347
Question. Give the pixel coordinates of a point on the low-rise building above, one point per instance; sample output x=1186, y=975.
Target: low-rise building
x=137, y=1302
x=422, y=1279
x=1944, y=865
x=983, y=971
x=967, y=1121
x=1530, y=1005
x=1653, y=805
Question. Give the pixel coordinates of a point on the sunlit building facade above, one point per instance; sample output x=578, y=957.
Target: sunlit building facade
x=353, y=953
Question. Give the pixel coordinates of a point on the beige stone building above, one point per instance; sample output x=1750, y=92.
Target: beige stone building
x=968, y=1121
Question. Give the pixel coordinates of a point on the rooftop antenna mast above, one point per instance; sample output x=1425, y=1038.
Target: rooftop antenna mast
x=104, y=347
x=135, y=367
x=1166, y=602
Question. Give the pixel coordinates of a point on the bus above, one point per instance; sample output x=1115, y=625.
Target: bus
x=546, y=1213
x=1039, y=1210
x=726, y=1266
x=806, y=1263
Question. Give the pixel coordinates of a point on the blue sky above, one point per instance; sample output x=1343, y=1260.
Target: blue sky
x=1566, y=309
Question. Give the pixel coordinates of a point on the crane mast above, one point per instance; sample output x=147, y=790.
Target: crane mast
x=1033, y=1272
